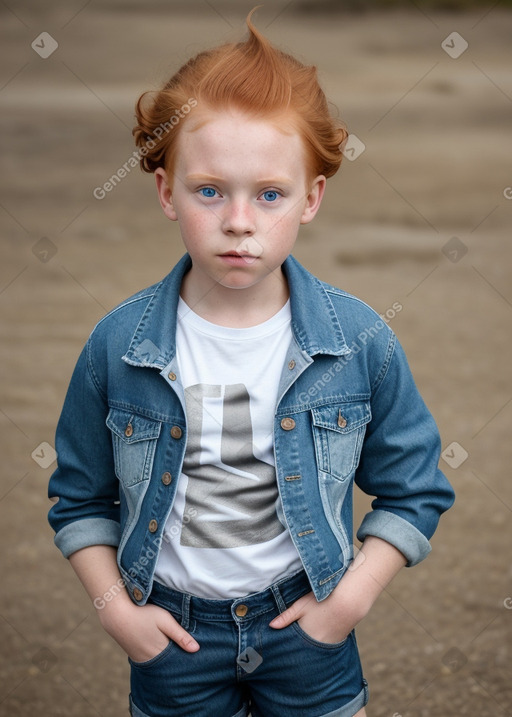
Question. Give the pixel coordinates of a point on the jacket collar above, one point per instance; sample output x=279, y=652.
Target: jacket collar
x=314, y=322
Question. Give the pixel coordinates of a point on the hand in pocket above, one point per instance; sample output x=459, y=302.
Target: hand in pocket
x=320, y=620
x=144, y=631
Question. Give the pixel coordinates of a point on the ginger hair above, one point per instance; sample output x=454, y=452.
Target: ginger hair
x=251, y=76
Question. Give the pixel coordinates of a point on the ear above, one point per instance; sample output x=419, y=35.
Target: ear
x=313, y=199
x=164, y=191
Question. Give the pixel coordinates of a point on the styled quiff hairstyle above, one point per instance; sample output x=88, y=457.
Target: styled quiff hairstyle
x=251, y=76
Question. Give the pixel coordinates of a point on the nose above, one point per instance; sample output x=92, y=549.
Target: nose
x=238, y=219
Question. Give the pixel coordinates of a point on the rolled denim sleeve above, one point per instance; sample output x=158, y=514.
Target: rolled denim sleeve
x=399, y=463
x=84, y=483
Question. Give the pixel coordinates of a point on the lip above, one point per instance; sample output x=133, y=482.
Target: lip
x=235, y=259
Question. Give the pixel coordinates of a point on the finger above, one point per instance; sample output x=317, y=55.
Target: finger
x=284, y=619
x=180, y=636
x=292, y=613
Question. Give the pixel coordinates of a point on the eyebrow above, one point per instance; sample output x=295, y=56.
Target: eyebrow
x=212, y=178
x=203, y=178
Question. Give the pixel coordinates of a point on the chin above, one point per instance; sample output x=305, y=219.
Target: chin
x=243, y=283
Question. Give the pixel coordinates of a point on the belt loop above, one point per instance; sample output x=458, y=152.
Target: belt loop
x=185, y=611
x=281, y=605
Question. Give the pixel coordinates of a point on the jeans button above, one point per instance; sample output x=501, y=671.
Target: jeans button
x=241, y=610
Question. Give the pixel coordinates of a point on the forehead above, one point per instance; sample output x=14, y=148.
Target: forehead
x=231, y=140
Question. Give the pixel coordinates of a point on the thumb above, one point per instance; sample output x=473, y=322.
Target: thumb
x=292, y=613
x=284, y=619
x=179, y=635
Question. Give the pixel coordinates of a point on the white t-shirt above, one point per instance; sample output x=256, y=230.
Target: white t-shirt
x=226, y=536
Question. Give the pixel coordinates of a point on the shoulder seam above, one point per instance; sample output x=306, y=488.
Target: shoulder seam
x=92, y=373
x=386, y=363
x=345, y=295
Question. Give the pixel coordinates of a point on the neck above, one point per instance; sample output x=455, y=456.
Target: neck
x=235, y=308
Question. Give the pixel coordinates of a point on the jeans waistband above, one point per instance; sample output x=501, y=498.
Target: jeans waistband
x=280, y=594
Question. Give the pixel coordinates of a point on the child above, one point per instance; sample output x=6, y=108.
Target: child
x=215, y=422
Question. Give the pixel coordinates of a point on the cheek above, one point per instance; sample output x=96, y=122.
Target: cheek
x=195, y=224
x=286, y=227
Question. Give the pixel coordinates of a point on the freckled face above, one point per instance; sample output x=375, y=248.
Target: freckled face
x=239, y=192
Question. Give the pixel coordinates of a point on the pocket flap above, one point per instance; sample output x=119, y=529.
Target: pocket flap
x=342, y=417
x=131, y=427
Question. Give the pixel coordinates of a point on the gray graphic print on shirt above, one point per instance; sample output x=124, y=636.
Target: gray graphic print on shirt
x=233, y=502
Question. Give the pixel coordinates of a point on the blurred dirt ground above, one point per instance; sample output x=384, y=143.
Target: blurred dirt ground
x=421, y=217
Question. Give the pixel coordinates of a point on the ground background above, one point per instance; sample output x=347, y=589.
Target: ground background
x=421, y=217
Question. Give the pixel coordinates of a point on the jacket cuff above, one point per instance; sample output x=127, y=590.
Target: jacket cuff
x=397, y=531
x=86, y=532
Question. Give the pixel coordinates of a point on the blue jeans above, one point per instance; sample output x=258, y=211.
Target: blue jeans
x=244, y=665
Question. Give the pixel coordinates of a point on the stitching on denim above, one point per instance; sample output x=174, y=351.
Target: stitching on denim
x=90, y=370
x=386, y=363
x=185, y=611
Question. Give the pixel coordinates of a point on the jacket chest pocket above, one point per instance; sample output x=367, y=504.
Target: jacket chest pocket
x=338, y=432
x=134, y=442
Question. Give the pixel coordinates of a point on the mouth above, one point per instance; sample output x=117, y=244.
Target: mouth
x=238, y=257
x=237, y=253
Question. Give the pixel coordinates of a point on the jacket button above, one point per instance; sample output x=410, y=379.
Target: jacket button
x=128, y=431
x=172, y=376
x=241, y=610
x=176, y=432
x=153, y=526
x=137, y=594
x=291, y=364
x=166, y=478
x=287, y=424
x=342, y=421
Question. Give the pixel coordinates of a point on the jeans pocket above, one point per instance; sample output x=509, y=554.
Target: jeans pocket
x=317, y=643
x=153, y=660
x=168, y=649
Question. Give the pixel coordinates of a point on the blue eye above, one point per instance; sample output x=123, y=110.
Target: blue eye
x=270, y=195
x=208, y=192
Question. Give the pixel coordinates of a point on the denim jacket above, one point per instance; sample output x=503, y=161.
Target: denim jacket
x=347, y=411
